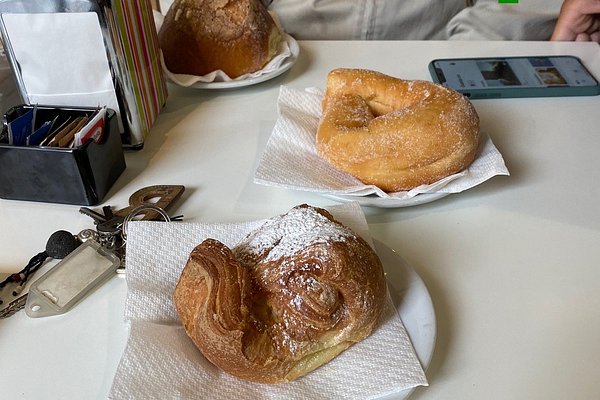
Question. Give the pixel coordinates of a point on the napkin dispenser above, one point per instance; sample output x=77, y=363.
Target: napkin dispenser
x=87, y=53
x=80, y=175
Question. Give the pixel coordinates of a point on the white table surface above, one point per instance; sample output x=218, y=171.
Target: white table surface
x=513, y=266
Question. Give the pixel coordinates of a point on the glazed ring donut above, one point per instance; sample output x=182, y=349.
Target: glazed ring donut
x=393, y=133
x=288, y=298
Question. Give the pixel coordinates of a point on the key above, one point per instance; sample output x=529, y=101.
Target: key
x=161, y=196
x=107, y=223
x=108, y=212
x=14, y=306
x=111, y=226
x=96, y=216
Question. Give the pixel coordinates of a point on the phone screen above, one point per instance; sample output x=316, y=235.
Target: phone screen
x=513, y=72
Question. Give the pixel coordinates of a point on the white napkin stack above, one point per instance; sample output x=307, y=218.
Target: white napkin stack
x=160, y=361
x=290, y=159
x=62, y=58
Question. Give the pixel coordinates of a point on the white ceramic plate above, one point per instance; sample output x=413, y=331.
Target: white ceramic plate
x=383, y=202
x=414, y=306
x=234, y=84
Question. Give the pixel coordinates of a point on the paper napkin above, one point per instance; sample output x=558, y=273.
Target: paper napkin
x=61, y=58
x=160, y=361
x=290, y=159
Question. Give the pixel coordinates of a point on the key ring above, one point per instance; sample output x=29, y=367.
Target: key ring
x=137, y=211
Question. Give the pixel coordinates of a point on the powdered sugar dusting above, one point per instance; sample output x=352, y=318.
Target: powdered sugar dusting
x=285, y=235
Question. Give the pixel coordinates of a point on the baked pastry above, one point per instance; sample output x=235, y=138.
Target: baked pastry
x=393, y=133
x=201, y=36
x=288, y=298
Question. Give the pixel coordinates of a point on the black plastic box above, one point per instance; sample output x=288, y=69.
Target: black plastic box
x=79, y=176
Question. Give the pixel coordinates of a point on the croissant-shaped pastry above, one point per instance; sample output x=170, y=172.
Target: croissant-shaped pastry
x=290, y=297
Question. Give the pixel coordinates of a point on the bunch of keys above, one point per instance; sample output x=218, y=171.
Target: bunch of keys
x=91, y=257
x=148, y=203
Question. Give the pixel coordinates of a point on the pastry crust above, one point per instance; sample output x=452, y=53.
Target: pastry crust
x=201, y=36
x=290, y=297
x=393, y=133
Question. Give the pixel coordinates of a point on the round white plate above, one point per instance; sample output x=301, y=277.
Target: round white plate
x=233, y=84
x=383, y=202
x=414, y=305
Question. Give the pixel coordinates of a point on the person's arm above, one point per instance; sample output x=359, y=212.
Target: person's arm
x=578, y=20
x=490, y=20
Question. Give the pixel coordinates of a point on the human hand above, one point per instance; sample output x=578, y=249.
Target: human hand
x=578, y=20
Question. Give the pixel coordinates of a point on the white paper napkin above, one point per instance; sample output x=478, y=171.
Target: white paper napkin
x=62, y=58
x=290, y=159
x=288, y=48
x=161, y=362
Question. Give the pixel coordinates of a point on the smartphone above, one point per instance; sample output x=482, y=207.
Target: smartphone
x=498, y=77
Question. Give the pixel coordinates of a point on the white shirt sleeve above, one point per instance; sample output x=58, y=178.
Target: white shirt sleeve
x=490, y=20
x=366, y=19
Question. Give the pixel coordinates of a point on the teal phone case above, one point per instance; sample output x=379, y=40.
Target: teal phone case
x=519, y=92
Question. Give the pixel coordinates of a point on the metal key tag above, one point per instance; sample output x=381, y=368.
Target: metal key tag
x=57, y=291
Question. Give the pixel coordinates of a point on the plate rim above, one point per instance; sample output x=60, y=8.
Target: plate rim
x=389, y=202
x=414, y=289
